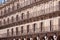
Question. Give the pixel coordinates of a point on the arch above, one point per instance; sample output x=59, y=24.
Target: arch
x=34, y=27
x=27, y=14
x=27, y=28
x=9, y=9
x=22, y=15
x=1, y=12
x=41, y=26
x=12, y=31
x=7, y=32
x=7, y=20
x=4, y=21
x=12, y=19
x=17, y=17
x=17, y=5
x=21, y=29
x=13, y=7
x=5, y=10
x=0, y=22
x=16, y=30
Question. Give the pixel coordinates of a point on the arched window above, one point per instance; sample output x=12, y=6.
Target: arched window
x=0, y=22
x=9, y=9
x=34, y=27
x=41, y=26
x=12, y=19
x=12, y=31
x=7, y=32
x=27, y=14
x=13, y=6
x=1, y=13
x=8, y=20
x=16, y=30
x=17, y=17
x=50, y=25
x=22, y=15
x=4, y=21
x=17, y=5
x=5, y=10
x=27, y=28
x=22, y=29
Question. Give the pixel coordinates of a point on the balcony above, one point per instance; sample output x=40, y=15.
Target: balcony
x=37, y=13
x=22, y=6
x=37, y=31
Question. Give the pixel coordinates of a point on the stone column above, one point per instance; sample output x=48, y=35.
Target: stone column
x=31, y=38
x=38, y=38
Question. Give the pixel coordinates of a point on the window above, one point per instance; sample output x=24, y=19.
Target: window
x=1, y=13
x=9, y=9
x=22, y=29
x=50, y=25
x=27, y=14
x=41, y=26
x=4, y=10
x=0, y=22
x=34, y=26
x=27, y=28
x=7, y=32
x=17, y=18
x=4, y=21
x=17, y=5
x=8, y=20
x=13, y=7
x=12, y=31
x=22, y=15
x=12, y=18
x=16, y=30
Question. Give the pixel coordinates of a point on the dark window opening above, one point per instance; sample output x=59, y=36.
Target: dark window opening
x=12, y=19
x=22, y=29
x=1, y=13
x=22, y=15
x=34, y=27
x=7, y=32
x=41, y=26
x=8, y=20
x=27, y=14
x=9, y=9
x=50, y=25
x=27, y=28
x=12, y=31
x=0, y=22
x=16, y=30
x=5, y=11
x=4, y=21
x=17, y=5
x=13, y=7
x=17, y=18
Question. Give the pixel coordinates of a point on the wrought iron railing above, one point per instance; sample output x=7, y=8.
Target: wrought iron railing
x=36, y=13
x=31, y=31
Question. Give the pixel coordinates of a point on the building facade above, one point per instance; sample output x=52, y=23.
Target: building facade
x=30, y=20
